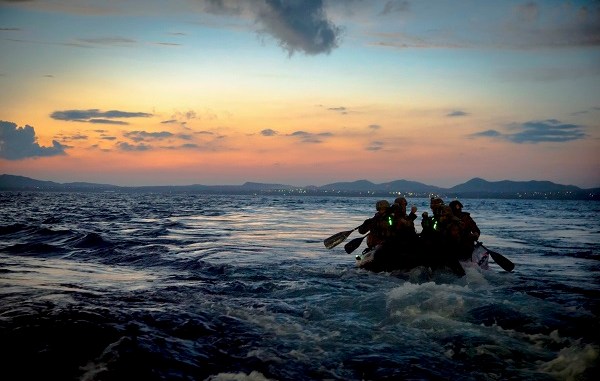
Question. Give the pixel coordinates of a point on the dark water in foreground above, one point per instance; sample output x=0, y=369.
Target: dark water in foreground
x=108, y=286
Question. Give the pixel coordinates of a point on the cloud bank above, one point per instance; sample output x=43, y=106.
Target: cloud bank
x=20, y=143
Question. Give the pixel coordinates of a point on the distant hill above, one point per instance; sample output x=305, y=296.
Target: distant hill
x=359, y=185
x=402, y=186
x=474, y=188
x=11, y=182
x=507, y=186
x=411, y=187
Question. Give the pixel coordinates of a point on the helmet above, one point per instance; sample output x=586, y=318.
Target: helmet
x=399, y=200
x=436, y=201
x=447, y=211
x=382, y=204
x=454, y=204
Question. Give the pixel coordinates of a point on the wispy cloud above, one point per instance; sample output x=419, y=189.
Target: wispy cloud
x=342, y=110
x=487, y=134
x=108, y=41
x=20, y=143
x=395, y=6
x=168, y=44
x=124, y=146
x=96, y=116
x=534, y=132
x=531, y=25
x=375, y=146
x=554, y=24
x=582, y=112
x=309, y=137
x=140, y=136
x=548, y=74
x=457, y=113
x=68, y=138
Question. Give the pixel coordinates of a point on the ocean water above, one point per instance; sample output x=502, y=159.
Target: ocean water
x=118, y=286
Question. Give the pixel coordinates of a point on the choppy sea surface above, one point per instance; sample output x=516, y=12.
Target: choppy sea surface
x=120, y=286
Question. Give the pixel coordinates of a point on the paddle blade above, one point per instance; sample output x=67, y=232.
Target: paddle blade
x=354, y=244
x=502, y=261
x=336, y=239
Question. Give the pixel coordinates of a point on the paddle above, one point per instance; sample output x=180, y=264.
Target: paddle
x=354, y=244
x=337, y=238
x=500, y=259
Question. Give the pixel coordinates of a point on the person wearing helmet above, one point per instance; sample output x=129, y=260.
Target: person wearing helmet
x=450, y=247
x=404, y=227
x=469, y=233
x=430, y=224
x=440, y=237
x=379, y=226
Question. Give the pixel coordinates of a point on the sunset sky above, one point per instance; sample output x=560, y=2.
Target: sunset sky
x=300, y=92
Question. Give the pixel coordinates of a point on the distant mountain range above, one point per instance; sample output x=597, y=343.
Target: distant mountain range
x=474, y=188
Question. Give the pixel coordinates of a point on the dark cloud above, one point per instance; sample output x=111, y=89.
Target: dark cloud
x=96, y=116
x=457, y=113
x=106, y=121
x=74, y=137
x=546, y=131
x=268, y=132
x=374, y=126
x=188, y=146
x=140, y=136
x=124, y=146
x=541, y=131
x=309, y=137
x=298, y=25
x=20, y=143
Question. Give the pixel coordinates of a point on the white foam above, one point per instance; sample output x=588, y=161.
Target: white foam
x=572, y=361
x=253, y=376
